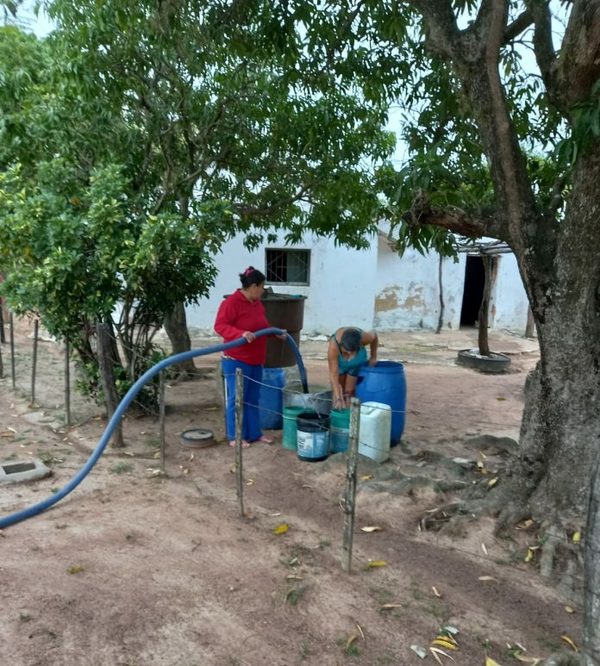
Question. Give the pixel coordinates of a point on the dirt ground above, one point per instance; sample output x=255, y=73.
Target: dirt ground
x=139, y=568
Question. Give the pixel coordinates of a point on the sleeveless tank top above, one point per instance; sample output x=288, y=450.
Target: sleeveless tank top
x=354, y=363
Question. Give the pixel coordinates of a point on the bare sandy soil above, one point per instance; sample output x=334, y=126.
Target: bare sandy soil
x=144, y=569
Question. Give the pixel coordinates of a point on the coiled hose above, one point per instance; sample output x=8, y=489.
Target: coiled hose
x=35, y=509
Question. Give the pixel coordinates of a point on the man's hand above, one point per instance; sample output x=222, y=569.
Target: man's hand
x=249, y=336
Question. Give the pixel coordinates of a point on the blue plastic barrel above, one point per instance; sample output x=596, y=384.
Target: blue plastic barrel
x=386, y=383
x=270, y=404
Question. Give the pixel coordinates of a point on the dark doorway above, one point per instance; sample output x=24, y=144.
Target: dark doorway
x=473, y=291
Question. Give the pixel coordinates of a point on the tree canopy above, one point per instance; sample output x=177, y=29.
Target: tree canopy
x=138, y=137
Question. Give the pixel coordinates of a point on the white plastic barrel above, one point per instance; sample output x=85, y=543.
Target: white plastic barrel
x=375, y=431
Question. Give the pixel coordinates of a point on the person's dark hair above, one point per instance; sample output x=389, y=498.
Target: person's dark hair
x=251, y=276
x=350, y=339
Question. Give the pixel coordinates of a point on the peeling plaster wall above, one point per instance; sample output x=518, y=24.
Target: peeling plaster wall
x=372, y=288
x=340, y=291
x=407, y=291
x=509, y=300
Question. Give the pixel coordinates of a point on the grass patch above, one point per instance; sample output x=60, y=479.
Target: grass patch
x=122, y=468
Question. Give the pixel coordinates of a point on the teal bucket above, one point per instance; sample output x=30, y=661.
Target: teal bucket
x=289, y=437
x=313, y=436
x=339, y=420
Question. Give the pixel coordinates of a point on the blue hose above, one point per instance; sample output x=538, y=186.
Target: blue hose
x=33, y=510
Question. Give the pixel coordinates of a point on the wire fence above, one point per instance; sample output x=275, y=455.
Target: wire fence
x=294, y=397
x=55, y=386
x=31, y=349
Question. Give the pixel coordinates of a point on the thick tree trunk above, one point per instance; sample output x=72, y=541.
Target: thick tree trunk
x=591, y=625
x=561, y=423
x=560, y=432
x=176, y=328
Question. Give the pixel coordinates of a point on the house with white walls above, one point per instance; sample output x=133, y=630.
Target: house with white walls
x=372, y=288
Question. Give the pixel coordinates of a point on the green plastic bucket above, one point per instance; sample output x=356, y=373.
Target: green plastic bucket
x=339, y=429
x=290, y=427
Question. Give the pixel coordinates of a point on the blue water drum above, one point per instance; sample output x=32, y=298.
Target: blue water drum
x=270, y=403
x=385, y=382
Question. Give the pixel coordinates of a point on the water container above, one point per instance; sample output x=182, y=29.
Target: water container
x=313, y=436
x=374, y=431
x=270, y=402
x=283, y=311
x=290, y=427
x=318, y=399
x=385, y=382
x=339, y=421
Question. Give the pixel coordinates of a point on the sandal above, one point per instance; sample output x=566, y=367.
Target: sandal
x=265, y=440
x=245, y=444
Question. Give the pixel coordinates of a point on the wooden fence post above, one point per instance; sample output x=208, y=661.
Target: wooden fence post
x=161, y=417
x=12, y=350
x=67, y=384
x=36, y=325
x=2, y=333
x=349, y=500
x=239, y=405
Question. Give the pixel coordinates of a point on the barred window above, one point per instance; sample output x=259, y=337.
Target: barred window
x=288, y=266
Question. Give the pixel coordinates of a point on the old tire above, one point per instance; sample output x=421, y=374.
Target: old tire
x=495, y=363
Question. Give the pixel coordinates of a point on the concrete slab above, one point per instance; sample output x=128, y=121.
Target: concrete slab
x=19, y=471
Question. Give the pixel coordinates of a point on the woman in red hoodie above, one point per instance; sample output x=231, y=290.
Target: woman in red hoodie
x=240, y=315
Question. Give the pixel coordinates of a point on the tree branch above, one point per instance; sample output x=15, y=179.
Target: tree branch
x=543, y=48
x=521, y=23
x=579, y=64
x=440, y=22
x=455, y=219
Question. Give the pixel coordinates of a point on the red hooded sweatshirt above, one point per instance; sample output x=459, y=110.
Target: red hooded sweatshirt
x=235, y=316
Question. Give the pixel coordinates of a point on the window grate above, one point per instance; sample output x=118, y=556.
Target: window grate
x=288, y=266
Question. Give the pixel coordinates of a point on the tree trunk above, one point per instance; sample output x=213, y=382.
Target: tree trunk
x=561, y=423
x=441, y=294
x=591, y=625
x=176, y=328
x=106, y=364
x=484, y=308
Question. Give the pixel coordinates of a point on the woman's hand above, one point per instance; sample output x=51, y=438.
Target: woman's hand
x=339, y=402
x=249, y=336
x=373, y=361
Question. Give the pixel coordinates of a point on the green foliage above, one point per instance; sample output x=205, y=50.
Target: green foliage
x=138, y=138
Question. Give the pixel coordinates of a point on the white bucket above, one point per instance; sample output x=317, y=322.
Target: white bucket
x=375, y=431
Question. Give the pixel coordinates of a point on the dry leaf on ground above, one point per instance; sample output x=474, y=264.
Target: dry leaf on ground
x=374, y=564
